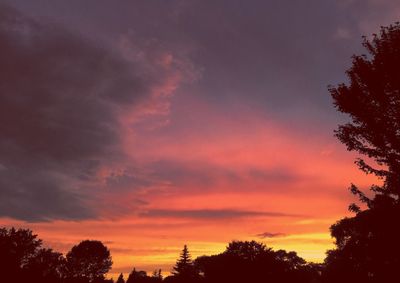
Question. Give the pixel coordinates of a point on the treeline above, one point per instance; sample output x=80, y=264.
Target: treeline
x=368, y=250
x=24, y=259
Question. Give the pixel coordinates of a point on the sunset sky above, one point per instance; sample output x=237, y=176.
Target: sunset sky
x=151, y=124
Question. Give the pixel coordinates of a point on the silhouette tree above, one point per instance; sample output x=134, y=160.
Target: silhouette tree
x=88, y=261
x=46, y=266
x=184, y=269
x=120, y=279
x=184, y=264
x=372, y=100
x=254, y=262
x=17, y=247
x=157, y=275
x=22, y=259
x=367, y=244
x=136, y=276
x=142, y=277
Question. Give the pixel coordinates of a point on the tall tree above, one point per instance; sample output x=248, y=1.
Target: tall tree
x=184, y=264
x=89, y=260
x=372, y=100
x=184, y=268
x=367, y=244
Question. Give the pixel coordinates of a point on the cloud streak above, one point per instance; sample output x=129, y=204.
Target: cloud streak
x=270, y=235
x=211, y=214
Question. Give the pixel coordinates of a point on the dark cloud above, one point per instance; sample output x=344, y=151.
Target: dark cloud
x=60, y=97
x=274, y=55
x=270, y=235
x=211, y=213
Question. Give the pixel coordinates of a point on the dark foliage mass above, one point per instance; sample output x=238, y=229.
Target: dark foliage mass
x=372, y=100
x=368, y=248
x=254, y=262
x=23, y=259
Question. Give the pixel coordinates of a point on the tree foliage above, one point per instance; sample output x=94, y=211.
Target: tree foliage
x=251, y=261
x=367, y=244
x=22, y=257
x=89, y=260
x=372, y=100
x=120, y=279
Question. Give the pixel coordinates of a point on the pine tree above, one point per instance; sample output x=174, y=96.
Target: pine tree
x=184, y=266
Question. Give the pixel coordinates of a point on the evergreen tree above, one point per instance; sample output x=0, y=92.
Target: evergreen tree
x=184, y=267
x=184, y=264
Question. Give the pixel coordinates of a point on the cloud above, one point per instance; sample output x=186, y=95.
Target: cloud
x=270, y=235
x=61, y=101
x=182, y=173
x=211, y=213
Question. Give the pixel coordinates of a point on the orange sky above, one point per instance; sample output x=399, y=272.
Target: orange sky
x=228, y=182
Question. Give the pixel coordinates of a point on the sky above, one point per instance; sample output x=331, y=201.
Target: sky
x=150, y=124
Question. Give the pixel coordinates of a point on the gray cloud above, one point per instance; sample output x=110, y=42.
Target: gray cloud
x=278, y=55
x=60, y=97
x=211, y=213
x=270, y=235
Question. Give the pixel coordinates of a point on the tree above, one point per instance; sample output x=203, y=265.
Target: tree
x=88, y=261
x=184, y=268
x=46, y=266
x=120, y=279
x=137, y=276
x=22, y=258
x=250, y=261
x=141, y=277
x=17, y=248
x=157, y=276
x=367, y=244
x=372, y=100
